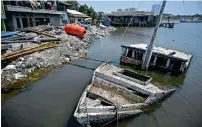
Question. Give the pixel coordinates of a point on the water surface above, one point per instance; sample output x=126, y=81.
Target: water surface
x=51, y=101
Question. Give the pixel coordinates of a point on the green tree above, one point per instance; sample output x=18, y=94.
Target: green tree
x=95, y=15
x=73, y=5
x=90, y=11
x=83, y=9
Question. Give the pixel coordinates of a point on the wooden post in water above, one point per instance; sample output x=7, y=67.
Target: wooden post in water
x=148, y=54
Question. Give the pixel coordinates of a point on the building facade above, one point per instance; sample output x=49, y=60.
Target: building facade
x=75, y=17
x=3, y=17
x=21, y=14
x=156, y=9
x=139, y=18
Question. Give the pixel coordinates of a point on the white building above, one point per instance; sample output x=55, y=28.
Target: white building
x=156, y=9
x=75, y=16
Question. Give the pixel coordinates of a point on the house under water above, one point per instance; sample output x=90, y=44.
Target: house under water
x=164, y=59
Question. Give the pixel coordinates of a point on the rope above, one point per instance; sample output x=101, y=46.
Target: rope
x=116, y=118
x=130, y=21
x=87, y=58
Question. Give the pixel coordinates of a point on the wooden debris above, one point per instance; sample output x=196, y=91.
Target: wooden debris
x=43, y=33
x=33, y=41
x=27, y=51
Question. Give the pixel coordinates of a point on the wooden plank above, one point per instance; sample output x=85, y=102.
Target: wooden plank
x=27, y=51
x=43, y=33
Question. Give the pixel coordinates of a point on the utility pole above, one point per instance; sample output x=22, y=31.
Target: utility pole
x=150, y=46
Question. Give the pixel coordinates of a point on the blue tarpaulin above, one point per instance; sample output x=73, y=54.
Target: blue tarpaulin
x=85, y=26
x=7, y=34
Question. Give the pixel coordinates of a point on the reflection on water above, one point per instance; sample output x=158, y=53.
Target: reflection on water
x=52, y=101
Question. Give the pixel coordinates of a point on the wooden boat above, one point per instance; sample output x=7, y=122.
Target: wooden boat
x=164, y=59
x=116, y=93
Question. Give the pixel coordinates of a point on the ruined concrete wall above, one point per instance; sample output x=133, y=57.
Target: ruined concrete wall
x=9, y=22
x=55, y=19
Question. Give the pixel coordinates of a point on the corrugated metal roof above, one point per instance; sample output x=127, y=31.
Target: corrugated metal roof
x=74, y=13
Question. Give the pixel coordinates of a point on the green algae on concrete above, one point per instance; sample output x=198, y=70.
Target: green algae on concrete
x=159, y=78
x=24, y=83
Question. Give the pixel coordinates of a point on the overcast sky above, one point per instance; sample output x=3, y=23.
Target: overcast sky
x=173, y=7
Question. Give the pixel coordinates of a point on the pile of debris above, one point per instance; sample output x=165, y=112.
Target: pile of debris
x=68, y=45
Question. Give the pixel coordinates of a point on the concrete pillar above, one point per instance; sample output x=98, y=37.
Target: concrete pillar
x=182, y=66
x=168, y=63
x=126, y=51
x=123, y=51
x=28, y=21
x=34, y=21
x=143, y=56
x=154, y=62
x=14, y=22
x=20, y=18
x=133, y=54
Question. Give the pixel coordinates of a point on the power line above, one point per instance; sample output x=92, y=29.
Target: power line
x=130, y=21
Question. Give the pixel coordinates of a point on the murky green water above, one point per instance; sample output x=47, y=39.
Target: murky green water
x=51, y=101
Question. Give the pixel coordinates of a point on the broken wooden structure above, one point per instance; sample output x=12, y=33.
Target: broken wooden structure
x=26, y=51
x=167, y=24
x=165, y=59
x=116, y=94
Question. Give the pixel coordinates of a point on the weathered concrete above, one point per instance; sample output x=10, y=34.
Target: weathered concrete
x=171, y=57
x=122, y=92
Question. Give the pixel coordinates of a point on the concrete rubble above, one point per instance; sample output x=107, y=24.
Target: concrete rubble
x=69, y=45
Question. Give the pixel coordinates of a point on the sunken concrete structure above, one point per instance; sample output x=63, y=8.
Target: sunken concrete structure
x=21, y=14
x=116, y=94
x=141, y=18
x=164, y=59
